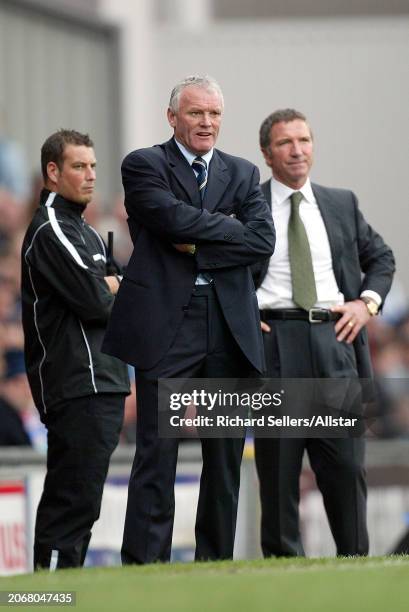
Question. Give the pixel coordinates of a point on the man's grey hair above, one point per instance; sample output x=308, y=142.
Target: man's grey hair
x=206, y=81
x=284, y=114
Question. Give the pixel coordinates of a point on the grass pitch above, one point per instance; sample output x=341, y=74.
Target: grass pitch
x=282, y=585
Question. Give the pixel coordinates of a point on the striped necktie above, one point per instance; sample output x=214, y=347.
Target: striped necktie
x=199, y=165
x=299, y=252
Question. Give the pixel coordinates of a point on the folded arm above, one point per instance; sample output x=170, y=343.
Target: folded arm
x=75, y=280
x=221, y=240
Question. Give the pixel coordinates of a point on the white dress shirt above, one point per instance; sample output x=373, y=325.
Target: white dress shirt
x=276, y=288
x=190, y=157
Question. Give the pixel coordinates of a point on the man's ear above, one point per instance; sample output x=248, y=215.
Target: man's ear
x=171, y=118
x=267, y=156
x=53, y=172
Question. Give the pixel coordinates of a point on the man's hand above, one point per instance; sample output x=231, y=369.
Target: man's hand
x=186, y=248
x=264, y=327
x=113, y=283
x=355, y=316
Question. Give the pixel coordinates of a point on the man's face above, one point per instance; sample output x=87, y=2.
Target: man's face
x=290, y=154
x=197, y=121
x=75, y=181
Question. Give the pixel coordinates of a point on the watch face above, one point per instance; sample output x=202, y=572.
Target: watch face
x=372, y=307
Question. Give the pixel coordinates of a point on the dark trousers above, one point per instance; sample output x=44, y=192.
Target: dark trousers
x=297, y=349
x=82, y=434
x=205, y=348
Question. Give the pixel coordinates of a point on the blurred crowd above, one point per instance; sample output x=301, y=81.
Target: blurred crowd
x=389, y=342
x=19, y=421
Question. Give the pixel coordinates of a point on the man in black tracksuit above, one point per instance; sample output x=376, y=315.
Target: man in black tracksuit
x=79, y=391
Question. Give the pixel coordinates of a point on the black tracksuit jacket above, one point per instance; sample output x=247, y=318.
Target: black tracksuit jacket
x=66, y=304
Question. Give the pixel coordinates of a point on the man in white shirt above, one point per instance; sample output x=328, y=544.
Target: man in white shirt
x=329, y=274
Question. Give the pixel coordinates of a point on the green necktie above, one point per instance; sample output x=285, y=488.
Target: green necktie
x=302, y=273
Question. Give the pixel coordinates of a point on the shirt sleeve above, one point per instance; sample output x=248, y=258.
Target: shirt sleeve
x=373, y=295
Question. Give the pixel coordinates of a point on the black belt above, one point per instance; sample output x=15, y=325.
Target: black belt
x=313, y=315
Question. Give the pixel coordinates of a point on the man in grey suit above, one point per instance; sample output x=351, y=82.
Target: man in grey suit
x=329, y=274
x=197, y=219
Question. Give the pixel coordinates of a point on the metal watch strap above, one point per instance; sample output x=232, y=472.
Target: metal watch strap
x=370, y=304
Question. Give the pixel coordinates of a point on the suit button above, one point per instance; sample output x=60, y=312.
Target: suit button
x=185, y=307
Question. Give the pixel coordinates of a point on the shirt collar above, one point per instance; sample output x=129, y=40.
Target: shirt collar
x=280, y=192
x=190, y=157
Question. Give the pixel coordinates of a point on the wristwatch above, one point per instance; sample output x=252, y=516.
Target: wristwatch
x=370, y=304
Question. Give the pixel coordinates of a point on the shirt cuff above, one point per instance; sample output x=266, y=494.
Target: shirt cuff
x=373, y=295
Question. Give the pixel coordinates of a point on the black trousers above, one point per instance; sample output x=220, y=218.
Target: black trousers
x=82, y=434
x=297, y=349
x=205, y=348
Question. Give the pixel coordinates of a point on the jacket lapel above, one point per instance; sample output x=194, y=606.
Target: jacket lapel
x=332, y=217
x=183, y=172
x=217, y=181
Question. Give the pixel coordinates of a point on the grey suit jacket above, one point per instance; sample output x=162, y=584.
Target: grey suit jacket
x=360, y=258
